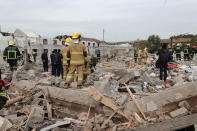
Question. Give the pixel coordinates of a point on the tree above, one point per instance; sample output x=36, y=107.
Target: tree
x=154, y=43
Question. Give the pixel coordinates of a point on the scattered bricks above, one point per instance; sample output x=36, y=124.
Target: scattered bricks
x=151, y=106
x=179, y=112
x=185, y=104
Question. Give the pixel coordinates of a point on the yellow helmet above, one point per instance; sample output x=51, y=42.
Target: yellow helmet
x=145, y=49
x=68, y=40
x=178, y=44
x=11, y=43
x=76, y=35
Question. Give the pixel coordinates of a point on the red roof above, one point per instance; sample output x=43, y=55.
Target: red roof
x=181, y=40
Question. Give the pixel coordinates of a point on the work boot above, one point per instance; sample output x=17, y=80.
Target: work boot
x=67, y=85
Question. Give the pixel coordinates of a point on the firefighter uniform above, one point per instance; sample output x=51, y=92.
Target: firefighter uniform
x=135, y=56
x=178, y=52
x=171, y=52
x=12, y=55
x=77, y=54
x=145, y=55
x=87, y=69
x=64, y=52
x=186, y=51
x=3, y=94
x=139, y=58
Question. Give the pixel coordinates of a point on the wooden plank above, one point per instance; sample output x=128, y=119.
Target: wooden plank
x=105, y=100
x=135, y=102
x=169, y=125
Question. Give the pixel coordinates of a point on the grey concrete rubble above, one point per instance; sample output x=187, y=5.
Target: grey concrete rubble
x=104, y=102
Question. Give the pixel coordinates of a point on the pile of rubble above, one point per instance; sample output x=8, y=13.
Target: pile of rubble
x=115, y=97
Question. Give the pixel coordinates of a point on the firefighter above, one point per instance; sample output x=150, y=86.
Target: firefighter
x=77, y=54
x=145, y=55
x=45, y=60
x=186, y=52
x=64, y=52
x=12, y=55
x=135, y=56
x=87, y=69
x=139, y=58
x=3, y=94
x=171, y=51
x=178, y=52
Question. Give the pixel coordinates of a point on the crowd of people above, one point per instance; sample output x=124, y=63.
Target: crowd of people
x=71, y=62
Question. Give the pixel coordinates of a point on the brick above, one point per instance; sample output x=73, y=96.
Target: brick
x=179, y=112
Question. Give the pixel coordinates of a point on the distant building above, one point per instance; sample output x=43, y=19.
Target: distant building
x=183, y=41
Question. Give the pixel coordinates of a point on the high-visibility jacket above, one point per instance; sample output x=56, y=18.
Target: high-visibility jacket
x=11, y=53
x=178, y=50
x=77, y=54
x=64, y=52
x=145, y=54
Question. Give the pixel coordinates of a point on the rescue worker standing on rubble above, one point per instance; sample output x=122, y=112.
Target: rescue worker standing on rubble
x=145, y=55
x=45, y=60
x=77, y=54
x=186, y=51
x=178, y=52
x=12, y=55
x=135, y=56
x=64, y=52
x=164, y=58
x=171, y=51
x=139, y=58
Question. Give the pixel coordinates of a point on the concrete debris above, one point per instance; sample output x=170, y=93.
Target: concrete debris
x=40, y=102
x=179, y=112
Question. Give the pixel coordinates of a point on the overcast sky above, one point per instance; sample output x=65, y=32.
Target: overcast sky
x=122, y=19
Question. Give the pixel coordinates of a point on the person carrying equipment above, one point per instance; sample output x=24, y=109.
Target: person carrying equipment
x=12, y=55
x=77, y=54
x=139, y=58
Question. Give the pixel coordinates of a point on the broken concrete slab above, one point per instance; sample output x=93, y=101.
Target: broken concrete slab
x=179, y=112
x=151, y=106
x=25, y=85
x=103, y=87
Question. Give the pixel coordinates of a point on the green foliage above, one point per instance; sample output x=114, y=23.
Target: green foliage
x=154, y=42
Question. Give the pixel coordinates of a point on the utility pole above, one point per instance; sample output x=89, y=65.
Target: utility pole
x=103, y=35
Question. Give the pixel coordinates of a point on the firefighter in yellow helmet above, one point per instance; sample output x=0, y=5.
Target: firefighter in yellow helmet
x=65, y=59
x=145, y=55
x=139, y=58
x=77, y=54
x=12, y=55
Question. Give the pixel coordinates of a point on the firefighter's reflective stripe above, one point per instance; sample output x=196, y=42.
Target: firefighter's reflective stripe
x=69, y=77
x=65, y=77
x=12, y=53
x=77, y=62
x=87, y=72
x=64, y=54
x=186, y=51
x=4, y=94
x=80, y=79
x=65, y=62
x=76, y=53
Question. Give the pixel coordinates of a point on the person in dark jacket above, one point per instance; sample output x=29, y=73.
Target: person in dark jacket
x=12, y=55
x=56, y=60
x=45, y=60
x=52, y=63
x=164, y=58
